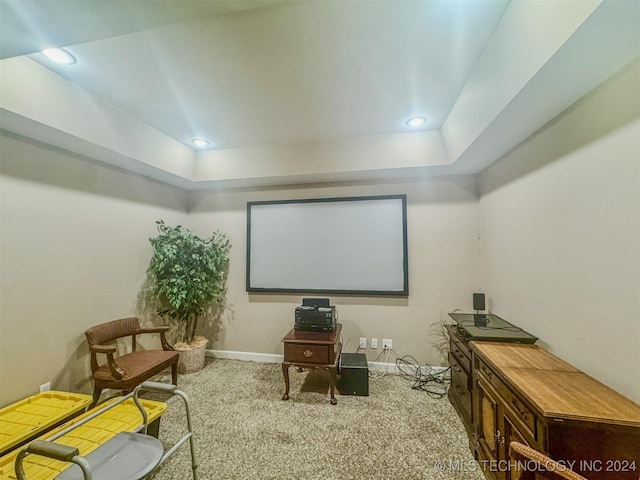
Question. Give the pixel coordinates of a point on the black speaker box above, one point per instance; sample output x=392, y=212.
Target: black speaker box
x=353, y=374
x=478, y=301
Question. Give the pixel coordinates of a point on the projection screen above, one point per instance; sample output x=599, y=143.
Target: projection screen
x=350, y=245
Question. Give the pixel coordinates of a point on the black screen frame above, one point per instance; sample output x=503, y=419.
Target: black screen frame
x=404, y=292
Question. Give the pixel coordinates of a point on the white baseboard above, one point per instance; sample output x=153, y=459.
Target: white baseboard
x=390, y=368
x=379, y=367
x=250, y=356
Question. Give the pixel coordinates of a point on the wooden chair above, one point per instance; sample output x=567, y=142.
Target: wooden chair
x=534, y=465
x=127, y=371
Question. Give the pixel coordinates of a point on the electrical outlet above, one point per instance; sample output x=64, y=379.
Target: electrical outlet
x=374, y=343
x=387, y=343
x=363, y=342
x=45, y=387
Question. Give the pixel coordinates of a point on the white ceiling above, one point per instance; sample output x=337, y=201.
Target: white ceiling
x=283, y=89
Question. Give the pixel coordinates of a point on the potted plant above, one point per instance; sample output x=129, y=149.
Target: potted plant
x=188, y=278
x=441, y=338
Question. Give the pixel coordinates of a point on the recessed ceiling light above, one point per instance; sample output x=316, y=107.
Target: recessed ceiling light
x=416, y=121
x=200, y=142
x=59, y=55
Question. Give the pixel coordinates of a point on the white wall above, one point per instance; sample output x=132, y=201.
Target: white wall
x=560, y=234
x=559, y=255
x=443, y=268
x=73, y=250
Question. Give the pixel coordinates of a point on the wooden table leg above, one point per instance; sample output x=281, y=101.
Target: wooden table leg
x=332, y=385
x=285, y=373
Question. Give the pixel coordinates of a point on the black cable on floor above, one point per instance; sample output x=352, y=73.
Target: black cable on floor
x=424, y=377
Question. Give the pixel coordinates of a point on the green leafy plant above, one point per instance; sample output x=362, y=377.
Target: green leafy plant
x=188, y=274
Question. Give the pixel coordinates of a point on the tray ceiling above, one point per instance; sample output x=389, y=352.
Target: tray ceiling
x=290, y=91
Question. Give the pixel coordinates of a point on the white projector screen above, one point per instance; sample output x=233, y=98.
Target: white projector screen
x=352, y=245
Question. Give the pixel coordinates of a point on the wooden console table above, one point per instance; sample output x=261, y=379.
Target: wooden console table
x=312, y=350
x=496, y=330
x=526, y=394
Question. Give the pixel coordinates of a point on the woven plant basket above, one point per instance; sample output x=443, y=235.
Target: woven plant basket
x=192, y=358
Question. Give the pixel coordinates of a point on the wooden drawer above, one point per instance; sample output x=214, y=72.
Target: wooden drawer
x=519, y=413
x=459, y=347
x=460, y=391
x=305, y=353
x=522, y=416
x=459, y=358
x=459, y=369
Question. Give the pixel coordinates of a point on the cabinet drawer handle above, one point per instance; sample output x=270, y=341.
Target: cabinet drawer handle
x=308, y=353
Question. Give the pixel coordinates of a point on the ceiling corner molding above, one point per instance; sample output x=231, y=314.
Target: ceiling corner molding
x=30, y=130
x=323, y=161
x=604, y=46
x=528, y=35
x=49, y=109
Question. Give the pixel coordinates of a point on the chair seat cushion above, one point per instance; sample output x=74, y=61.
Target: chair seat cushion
x=138, y=366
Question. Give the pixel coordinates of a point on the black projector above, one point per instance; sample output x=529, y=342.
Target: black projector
x=311, y=318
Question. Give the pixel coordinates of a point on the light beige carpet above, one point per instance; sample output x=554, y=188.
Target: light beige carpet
x=244, y=430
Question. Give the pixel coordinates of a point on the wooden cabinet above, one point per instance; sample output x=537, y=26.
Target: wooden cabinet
x=495, y=428
x=500, y=419
x=460, y=390
x=312, y=350
x=460, y=358
x=487, y=435
x=524, y=393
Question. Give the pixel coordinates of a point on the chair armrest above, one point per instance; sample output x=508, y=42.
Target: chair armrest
x=103, y=349
x=108, y=350
x=116, y=371
x=161, y=330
